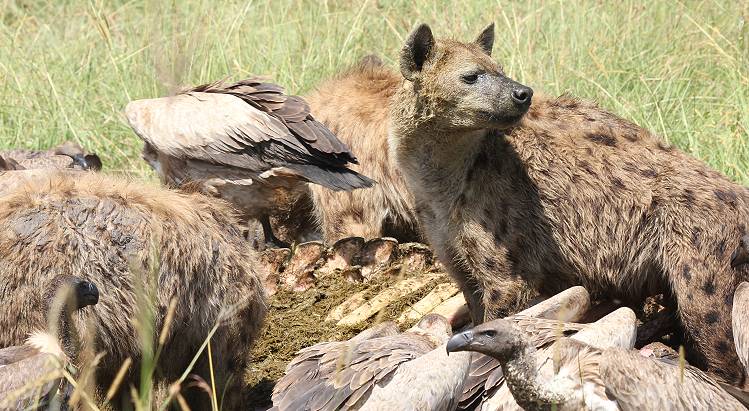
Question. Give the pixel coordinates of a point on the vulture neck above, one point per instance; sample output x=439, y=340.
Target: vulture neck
x=532, y=391
x=60, y=326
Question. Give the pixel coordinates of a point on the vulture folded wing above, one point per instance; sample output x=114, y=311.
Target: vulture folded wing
x=29, y=381
x=637, y=383
x=320, y=361
x=212, y=127
x=51, y=161
x=248, y=125
x=476, y=386
x=20, y=154
x=740, y=320
x=741, y=395
x=294, y=112
x=16, y=353
x=345, y=373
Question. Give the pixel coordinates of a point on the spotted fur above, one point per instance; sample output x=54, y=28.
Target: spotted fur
x=569, y=195
x=119, y=233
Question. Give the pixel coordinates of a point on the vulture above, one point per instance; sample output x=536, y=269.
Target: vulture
x=379, y=368
x=31, y=375
x=585, y=376
x=485, y=376
x=376, y=370
x=740, y=322
x=68, y=155
x=740, y=257
x=246, y=142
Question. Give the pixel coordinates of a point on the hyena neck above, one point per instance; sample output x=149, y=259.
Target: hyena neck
x=434, y=159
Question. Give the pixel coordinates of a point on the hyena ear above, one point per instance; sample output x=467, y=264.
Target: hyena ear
x=485, y=40
x=416, y=51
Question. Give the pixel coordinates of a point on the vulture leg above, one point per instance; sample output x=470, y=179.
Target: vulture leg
x=271, y=241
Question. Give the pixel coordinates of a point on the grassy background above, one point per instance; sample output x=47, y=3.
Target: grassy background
x=67, y=68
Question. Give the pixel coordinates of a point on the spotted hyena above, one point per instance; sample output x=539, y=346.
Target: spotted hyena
x=520, y=198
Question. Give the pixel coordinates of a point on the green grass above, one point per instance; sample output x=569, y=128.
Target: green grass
x=67, y=68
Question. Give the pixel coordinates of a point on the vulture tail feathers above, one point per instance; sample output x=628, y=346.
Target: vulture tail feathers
x=336, y=179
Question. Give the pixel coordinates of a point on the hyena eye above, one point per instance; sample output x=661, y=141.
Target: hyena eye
x=470, y=78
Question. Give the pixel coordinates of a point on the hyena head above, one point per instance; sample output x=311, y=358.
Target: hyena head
x=458, y=85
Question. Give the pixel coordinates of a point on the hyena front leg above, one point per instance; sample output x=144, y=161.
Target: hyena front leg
x=704, y=295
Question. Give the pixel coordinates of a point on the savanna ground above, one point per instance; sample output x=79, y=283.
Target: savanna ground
x=68, y=67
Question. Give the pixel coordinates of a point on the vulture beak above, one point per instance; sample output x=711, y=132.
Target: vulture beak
x=739, y=258
x=459, y=342
x=86, y=294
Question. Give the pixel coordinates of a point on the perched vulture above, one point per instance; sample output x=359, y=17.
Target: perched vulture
x=741, y=255
x=31, y=374
x=68, y=155
x=485, y=381
x=584, y=376
x=247, y=142
x=378, y=370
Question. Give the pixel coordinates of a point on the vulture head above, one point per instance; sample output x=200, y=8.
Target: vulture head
x=500, y=339
x=67, y=293
x=73, y=292
x=64, y=296
x=80, y=158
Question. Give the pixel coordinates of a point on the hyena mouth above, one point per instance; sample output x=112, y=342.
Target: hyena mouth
x=502, y=120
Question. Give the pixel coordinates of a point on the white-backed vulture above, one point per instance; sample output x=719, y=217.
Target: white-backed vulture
x=485, y=376
x=68, y=155
x=247, y=142
x=587, y=377
x=31, y=373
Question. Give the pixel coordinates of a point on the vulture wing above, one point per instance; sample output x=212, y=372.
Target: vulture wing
x=640, y=383
x=55, y=161
x=16, y=353
x=30, y=381
x=248, y=125
x=306, y=366
x=343, y=374
x=740, y=319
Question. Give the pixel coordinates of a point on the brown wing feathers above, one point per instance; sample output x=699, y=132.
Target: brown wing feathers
x=293, y=112
x=310, y=148
x=344, y=372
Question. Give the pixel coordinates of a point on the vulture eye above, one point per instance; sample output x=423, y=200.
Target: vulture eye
x=490, y=333
x=470, y=78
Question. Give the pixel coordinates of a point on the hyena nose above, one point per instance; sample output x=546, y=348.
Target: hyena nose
x=522, y=96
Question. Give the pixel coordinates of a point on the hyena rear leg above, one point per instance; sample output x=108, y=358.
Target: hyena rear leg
x=704, y=295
